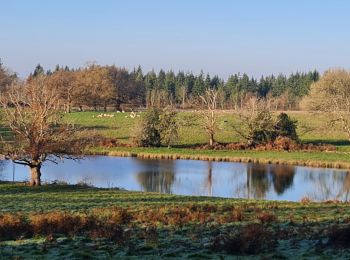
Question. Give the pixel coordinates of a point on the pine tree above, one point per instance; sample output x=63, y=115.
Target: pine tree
x=39, y=70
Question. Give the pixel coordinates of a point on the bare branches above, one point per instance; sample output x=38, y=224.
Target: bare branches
x=209, y=115
x=256, y=116
x=331, y=95
x=31, y=111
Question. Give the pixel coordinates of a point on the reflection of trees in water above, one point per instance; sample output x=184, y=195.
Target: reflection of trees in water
x=346, y=188
x=329, y=184
x=282, y=177
x=158, y=175
x=260, y=177
x=209, y=179
x=2, y=167
x=257, y=180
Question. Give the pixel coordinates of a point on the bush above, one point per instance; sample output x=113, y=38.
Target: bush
x=158, y=127
x=286, y=127
x=13, y=226
x=168, y=127
x=339, y=237
x=251, y=239
x=147, y=133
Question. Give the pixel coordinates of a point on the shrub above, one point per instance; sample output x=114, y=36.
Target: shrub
x=284, y=143
x=251, y=239
x=56, y=223
x=286, y=127
x=266, y=217
x=339, y=237
x=259, y=127
x=13, y=226
x=147, y=133
x=168, y=127
x=158, y=127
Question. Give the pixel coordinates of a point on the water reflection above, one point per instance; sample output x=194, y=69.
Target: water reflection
x=282, y=177
x=208, y=182
x=325, y=183
x=260, y=177
x=156, y=176
x=223, y=179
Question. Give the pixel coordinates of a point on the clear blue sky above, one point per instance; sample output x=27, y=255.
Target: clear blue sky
x=219, y=36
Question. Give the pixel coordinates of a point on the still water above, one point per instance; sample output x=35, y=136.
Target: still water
x=189, y=177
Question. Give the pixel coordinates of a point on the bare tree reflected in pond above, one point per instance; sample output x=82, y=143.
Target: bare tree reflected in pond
x=344, y=194
x=328, y=185
x=257, y=181
x=156, y=176
x=209, y=180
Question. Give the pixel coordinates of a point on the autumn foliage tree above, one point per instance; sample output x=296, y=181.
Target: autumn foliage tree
x=31, y=112
x=95, y=87
x=63, y=82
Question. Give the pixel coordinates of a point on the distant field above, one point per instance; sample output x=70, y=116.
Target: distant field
x=121, y=127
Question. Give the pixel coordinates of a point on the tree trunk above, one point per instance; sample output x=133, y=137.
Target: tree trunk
x=35, y=175
x=211, y=140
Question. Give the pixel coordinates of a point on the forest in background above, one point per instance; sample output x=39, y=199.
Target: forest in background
x=99, y=87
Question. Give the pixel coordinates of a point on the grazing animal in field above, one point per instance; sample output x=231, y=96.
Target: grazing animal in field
x=105, y=115
x=133, y=114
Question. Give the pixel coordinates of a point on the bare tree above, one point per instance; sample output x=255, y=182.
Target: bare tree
x=63, y=81
x=209, y=115
x=255, y=121
x=38, y=132
x=183, y=95
x=331, y=95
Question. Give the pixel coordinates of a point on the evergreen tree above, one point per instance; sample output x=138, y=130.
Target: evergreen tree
x=161, y=80
x=199, y=85
x=39, y=70
x=170, y=83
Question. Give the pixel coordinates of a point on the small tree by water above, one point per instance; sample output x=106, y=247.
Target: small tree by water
x=38, y=133
x=258, y=125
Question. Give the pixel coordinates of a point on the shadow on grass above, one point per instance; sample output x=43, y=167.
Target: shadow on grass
x=330, y=142
x=194, y=145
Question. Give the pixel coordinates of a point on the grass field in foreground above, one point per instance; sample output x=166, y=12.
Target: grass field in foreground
x=155, y=225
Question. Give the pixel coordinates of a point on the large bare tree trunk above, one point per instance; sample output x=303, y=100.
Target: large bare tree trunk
x=35, y=174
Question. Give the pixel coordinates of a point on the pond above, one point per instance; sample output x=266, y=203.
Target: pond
x=190, y=177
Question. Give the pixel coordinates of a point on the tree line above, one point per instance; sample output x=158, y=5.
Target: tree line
x=99, y=87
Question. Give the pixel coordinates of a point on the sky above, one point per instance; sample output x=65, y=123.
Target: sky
x=221, y=37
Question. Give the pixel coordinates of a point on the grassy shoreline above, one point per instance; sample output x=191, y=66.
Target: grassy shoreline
x=66, y=221
x=340, y=160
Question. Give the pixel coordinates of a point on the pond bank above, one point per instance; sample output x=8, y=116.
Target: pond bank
x=338, y=160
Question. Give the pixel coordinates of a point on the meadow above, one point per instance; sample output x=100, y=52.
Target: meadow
x=80, y=222
x=313, y=128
